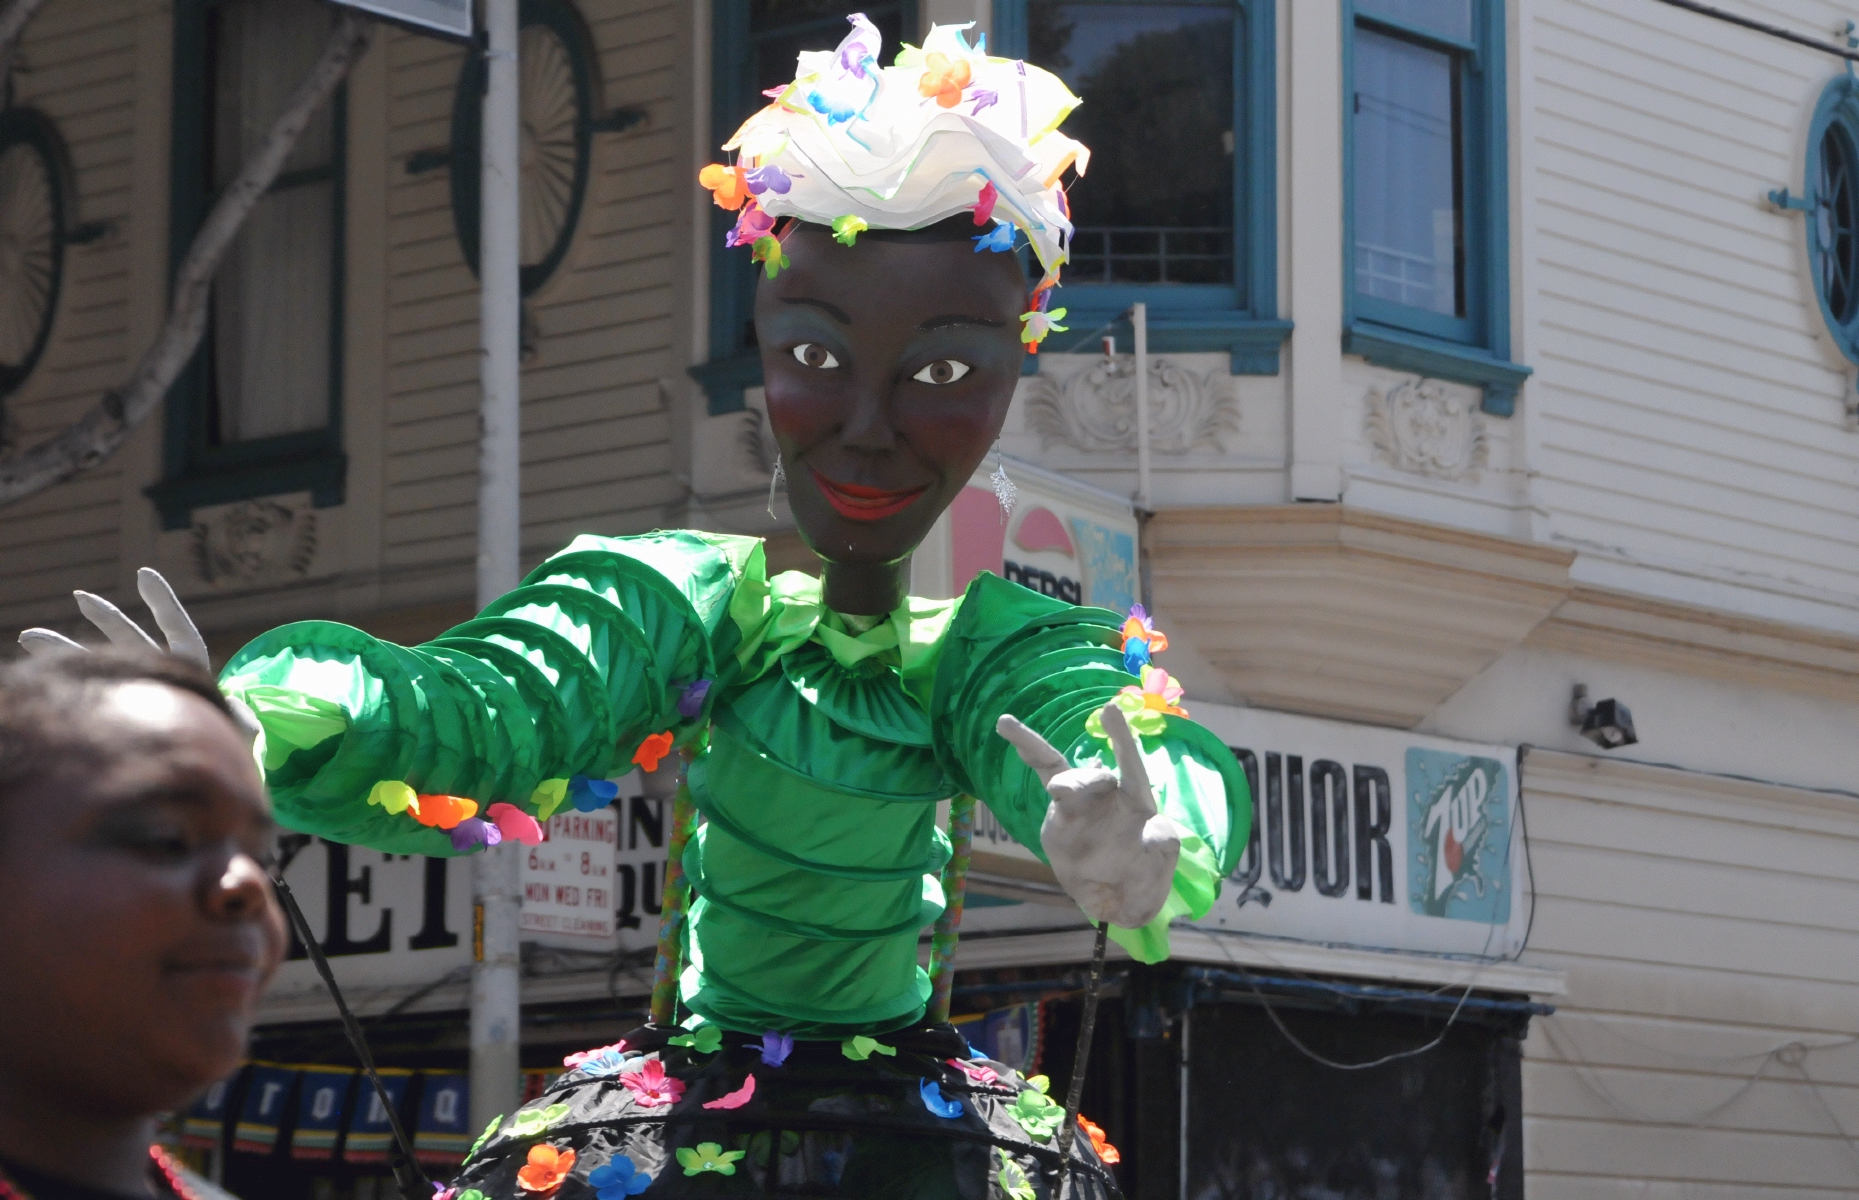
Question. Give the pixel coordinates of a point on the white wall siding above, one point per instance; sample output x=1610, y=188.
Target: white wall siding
x=1688, y=405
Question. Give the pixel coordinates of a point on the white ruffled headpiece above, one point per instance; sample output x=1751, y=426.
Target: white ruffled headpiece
x=946, y=129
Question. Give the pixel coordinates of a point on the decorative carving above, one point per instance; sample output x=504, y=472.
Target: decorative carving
x=1419, y=426
x=253, y=539
x=1095, y=409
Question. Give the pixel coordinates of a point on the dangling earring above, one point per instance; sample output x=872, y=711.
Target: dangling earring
x=1004, y=489
x=775, y=480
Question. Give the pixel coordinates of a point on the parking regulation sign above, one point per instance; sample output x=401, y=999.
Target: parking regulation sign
x=448, y=18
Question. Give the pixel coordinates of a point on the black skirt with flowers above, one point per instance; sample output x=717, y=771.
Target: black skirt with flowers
x=907, y=1125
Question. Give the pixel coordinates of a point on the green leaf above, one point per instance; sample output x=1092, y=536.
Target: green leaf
x=706, y=1039
x=484, y=1137
x=860, y=1048
x=534, y=1122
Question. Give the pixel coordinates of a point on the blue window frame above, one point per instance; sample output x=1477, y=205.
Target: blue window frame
x=1830, y=198
x=1179, y=208
x=1426, y=219
x=754, y=44
x=258, y=411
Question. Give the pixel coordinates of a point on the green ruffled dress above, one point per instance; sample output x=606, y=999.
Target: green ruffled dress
x=820, y=752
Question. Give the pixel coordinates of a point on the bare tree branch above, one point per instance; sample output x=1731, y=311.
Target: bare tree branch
x=99, y=432
x=13, y=17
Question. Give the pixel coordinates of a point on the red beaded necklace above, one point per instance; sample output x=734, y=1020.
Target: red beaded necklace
x=161, y=1166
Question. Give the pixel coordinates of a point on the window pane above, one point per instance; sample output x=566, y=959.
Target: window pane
x=1157, y=86
x=1407, y=207
x=1836, y=224
x=271, y=316
x=1448, y=18
x=260, y=50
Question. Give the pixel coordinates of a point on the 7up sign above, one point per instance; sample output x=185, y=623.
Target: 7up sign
x=1458, y=836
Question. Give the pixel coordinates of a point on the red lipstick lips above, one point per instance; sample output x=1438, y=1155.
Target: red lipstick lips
x=857, y=502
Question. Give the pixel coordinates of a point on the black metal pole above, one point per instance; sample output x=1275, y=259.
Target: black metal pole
x=413, y=1184
x=1074, y=1095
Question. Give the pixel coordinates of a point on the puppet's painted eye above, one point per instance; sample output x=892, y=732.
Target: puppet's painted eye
x=943, y=370
x=814, y=355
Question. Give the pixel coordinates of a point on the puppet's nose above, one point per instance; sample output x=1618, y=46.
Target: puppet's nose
x=868, y=427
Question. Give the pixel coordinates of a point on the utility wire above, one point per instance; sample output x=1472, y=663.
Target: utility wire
x=1774, y=31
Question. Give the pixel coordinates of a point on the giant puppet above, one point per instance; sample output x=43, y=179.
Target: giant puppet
x=797, y=1046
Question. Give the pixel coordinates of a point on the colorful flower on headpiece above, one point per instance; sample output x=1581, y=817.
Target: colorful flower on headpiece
x=737, y=1098
x=581, y=1056
x=847, y=228
x=705, y=1039
x=1040, y=323
x=768, y=252
x=1141, y=640
x=618, y=1179
x=751, y=226
x=708, y=1156
x=776, y=1046
x=944, y=78
x=473, y=831
x=691, y=699
x=545, y=1170
x=976, y=1074
x=651, y=1087
x=1105, y=1151
x=592, y=795
x=729, y=185
x=769, y=179
x=516, y=824
x=549, y=795
x=445, y=812
x=858, y=49
x=985, y=201
x=983, y=98
x=938, y=1104
x=999, y=239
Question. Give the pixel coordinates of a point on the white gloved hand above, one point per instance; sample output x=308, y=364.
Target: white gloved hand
x=184, y=640
x=1112, y=851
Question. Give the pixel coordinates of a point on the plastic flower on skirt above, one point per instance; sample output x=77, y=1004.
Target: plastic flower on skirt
x=1144, y=706
x=708, y=1156
x=729, y=185
x=619, y=1178
x=545, y=1170
x=938, y=1104
x=981, y=1075
x=534, y=1122
x=776, y=1046
x=484, y=1137
x=604, y=1065
x=581, y=1056
x=1037, y=1113
x=705, y=1039
x=651, y=1087
x=1105, y=1151
x=1013, y=1180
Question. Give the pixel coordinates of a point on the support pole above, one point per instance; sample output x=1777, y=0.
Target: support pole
x=496, y=1012
x=948, y=928
x=1139, y=320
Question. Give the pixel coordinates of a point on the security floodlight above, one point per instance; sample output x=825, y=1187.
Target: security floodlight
x=1606, y=723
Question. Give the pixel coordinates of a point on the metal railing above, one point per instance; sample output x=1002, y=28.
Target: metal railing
x=1143, y=254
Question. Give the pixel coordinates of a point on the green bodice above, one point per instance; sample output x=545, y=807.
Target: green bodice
x=820, y=752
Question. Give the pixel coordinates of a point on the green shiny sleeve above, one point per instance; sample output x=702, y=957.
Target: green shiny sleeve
x=1013, y=651
x=568, y=674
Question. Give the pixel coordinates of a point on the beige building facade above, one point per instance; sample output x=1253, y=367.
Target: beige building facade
x=1596, y=426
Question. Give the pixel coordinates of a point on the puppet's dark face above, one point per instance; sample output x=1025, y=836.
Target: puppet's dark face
x=889, y=366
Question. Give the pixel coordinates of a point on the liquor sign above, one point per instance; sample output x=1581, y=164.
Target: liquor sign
x=447, y=18
x=568, y=879
x=1064, y=538
x=1361, y=836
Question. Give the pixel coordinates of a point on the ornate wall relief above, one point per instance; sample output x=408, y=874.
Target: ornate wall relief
x=254, y=540
x=1420, y=426
x=1095, y=409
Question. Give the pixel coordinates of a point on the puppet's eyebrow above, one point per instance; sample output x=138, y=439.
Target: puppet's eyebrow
x=950, y=320
x=832, y=310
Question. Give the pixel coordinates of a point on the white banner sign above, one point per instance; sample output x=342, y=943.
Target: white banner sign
x=568, y=879
x=452, y=18
x=1361, y=836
